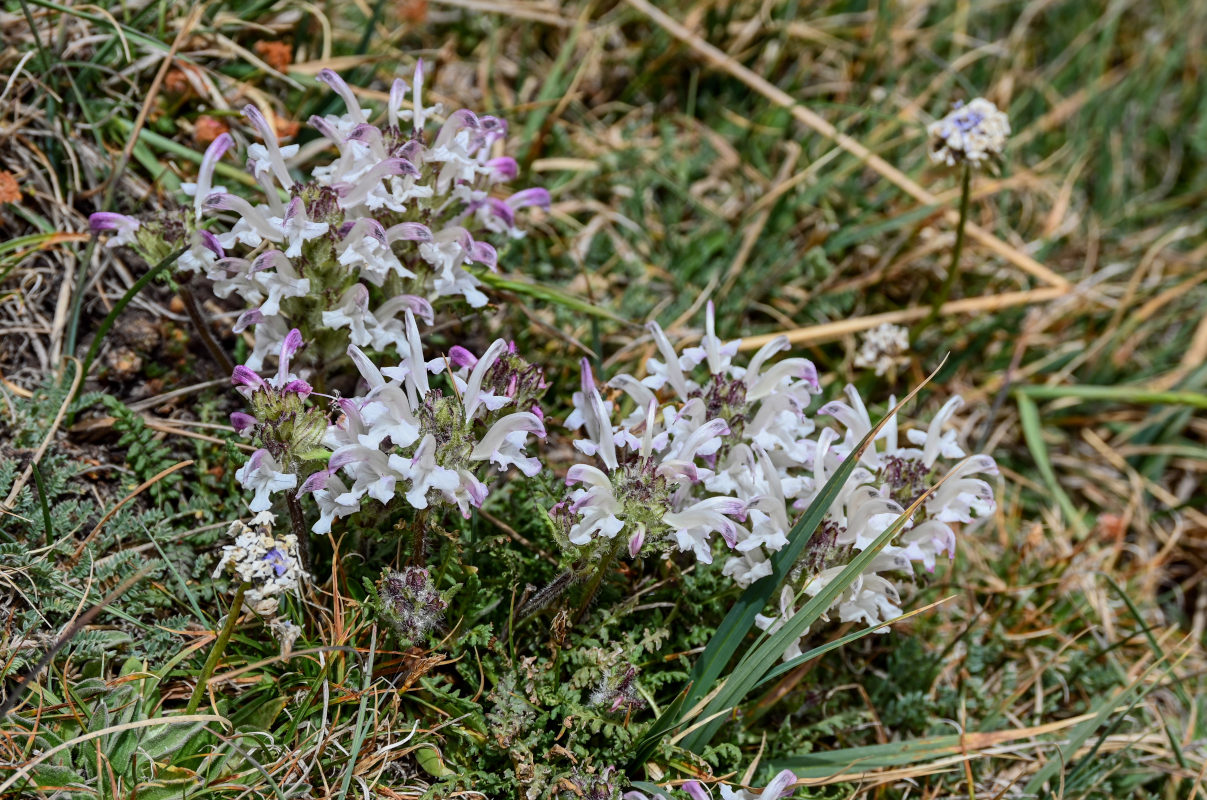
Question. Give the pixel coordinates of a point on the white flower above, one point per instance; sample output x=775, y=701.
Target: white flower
x=262, y=475
x=884, y=347
x=973, y=133
x=352, y=312
x=333, y=499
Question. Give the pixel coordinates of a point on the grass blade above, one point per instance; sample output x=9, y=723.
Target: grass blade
x=760, y=660
x=1028, y=414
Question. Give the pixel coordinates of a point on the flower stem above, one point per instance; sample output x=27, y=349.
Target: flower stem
x=297, y=524
x=545, y=597
x=215, y=656
x=201, y=324
x=419, y=540
x=949, y=281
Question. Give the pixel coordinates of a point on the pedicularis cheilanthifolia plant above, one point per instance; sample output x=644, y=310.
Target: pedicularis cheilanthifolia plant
x=812, y=516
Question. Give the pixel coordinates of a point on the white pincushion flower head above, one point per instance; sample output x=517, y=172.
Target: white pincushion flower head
x=268, y=564
x=884, y=348
x=973, y=133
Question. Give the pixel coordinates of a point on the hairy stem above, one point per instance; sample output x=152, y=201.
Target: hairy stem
x=297, y=524
x=597, y=579
x=211, y=663
x=545, y=597
x=419, y=540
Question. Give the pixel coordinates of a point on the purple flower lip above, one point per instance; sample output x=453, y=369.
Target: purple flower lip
x=315, y=482
x=242, y=422
x=109, y=221
x=460, y=357
x=242, y=376
x=535, y=196
x=278, y=560
x=503, y=168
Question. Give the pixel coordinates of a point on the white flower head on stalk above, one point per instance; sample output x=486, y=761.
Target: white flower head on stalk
x=975, y=133
x=884, y=348
x=266, y=562
x=405, y=436
x=645, y=494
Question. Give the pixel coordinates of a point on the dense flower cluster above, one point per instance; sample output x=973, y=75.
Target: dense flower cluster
x=889, y=476
x=734, y=451
x=974, y=133
x=267, y=563
x=884, y=348
x=390, y=224
x=402, y=436
x=666, y=463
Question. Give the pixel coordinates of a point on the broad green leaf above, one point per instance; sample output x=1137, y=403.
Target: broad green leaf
x=760, y=660
x=1028, y=414
x=549, y=294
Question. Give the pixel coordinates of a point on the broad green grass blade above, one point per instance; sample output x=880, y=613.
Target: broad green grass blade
x=549, y=294
x=761, y=659
x=1116, y=394
x=1028, y=414
x=828, y=764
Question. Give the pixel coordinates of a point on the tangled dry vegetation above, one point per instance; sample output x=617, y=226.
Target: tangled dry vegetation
x=694, y=152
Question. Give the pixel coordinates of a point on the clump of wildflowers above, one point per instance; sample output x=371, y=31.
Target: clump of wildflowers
x=733, y=450
x=402, y=436
x=645, y=489
x=975, y=133
x=406, y=436
x=890, y=476
x=392, y=222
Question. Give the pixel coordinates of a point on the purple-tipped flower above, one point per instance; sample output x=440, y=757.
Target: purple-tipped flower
x=264, y=476
x=122, y=226
x=205, y=175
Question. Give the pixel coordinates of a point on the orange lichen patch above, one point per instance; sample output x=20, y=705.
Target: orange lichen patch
x=176, y=82
x=278, y=55
x=10, y=192
x=285, y=128
x=413, y=11
x=208, y=128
